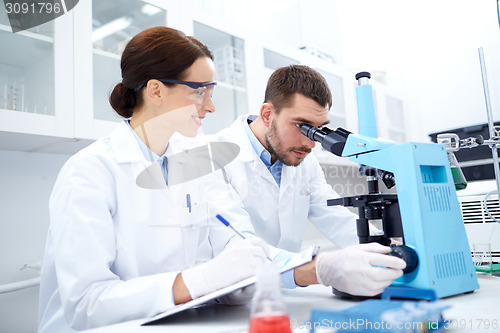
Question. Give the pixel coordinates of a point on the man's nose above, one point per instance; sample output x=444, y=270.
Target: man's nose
x=308, y=142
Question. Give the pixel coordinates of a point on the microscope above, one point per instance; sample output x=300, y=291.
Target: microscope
x=424, y=214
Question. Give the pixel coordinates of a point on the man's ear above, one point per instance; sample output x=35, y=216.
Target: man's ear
x=154, y=91
x=266, y=111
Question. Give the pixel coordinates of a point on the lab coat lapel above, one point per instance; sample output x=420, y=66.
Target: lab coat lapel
x=171, y=219
x=286, y=197
x=248, y=154
x=148, y=174
x=124, y=145
x=288, y=175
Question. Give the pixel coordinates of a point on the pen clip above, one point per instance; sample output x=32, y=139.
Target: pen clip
x=315, y=251
x=188, y=202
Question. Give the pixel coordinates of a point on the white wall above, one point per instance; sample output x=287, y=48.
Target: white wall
x=26, y=180
x=294, y=22
x=429, y=50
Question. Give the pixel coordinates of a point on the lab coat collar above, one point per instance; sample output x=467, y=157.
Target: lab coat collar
x=126, y=148
x=247, y=153
x=124, y=145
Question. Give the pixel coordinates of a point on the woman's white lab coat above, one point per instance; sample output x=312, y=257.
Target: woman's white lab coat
x=113, y=248
x=279, y=213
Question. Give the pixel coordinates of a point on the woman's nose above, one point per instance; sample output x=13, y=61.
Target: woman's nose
x=209, y=106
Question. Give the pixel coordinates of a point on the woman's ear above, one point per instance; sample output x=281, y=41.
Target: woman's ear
x=266, y=111
x=154, y=91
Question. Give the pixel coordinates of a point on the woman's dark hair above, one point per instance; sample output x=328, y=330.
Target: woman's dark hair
x=155, y=53
x=285, y=82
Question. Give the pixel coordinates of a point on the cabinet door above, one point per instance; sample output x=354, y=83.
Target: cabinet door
x=28, y=107
x=396, y=119
x=337, y=112
x=230, y=96
x=36, y=87
x=112, y=28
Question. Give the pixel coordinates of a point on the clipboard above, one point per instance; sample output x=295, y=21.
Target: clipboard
x=296, y=260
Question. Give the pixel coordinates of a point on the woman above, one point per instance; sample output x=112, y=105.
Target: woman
x=121, y=244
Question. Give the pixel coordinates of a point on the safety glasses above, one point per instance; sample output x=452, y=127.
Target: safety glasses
x=199, y=92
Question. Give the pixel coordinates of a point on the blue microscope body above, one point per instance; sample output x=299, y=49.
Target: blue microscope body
x=428, y=219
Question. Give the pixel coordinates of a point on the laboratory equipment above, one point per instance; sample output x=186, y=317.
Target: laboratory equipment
x=381, y=316
x=480, y=212
x=268, y=312
x=451, y=143
x=424, y=213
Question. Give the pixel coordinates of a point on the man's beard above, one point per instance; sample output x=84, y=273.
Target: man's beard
x=275, y=148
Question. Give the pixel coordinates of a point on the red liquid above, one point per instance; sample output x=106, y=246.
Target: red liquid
x=270, y=324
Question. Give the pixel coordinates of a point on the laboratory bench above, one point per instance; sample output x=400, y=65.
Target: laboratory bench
x=473, y=312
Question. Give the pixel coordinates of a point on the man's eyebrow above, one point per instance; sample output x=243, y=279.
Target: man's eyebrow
x=308, y=122
x=301, y=120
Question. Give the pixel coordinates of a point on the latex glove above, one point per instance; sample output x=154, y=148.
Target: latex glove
x=363, y=270
x=238, y=297
x=238, y=261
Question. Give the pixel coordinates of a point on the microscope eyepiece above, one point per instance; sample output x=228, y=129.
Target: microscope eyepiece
x=333, y=141
x=363, y=74
x=312, y=132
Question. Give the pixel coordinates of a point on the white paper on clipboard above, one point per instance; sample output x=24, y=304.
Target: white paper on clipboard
x=283, y=266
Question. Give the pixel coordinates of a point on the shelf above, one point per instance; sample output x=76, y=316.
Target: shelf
x=23, y=48
x=27, y=34
x=28, y=62
x=41, y=143
x=274, y=60
x=26, y=122
x=113, y=26
x=107, y=54
x=228, y=53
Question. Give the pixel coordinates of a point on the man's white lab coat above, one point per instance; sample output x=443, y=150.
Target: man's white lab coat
x=279, y=213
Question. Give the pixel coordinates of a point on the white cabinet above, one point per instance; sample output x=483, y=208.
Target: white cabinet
x=102, y=31
x=112, y=27
x=55, y=79
x=34, y=65
x=230, y=97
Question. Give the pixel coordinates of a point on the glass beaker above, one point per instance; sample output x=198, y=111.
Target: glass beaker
x=481, y=254
x=456, y=172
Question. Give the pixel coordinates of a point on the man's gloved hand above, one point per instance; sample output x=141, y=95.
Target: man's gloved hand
x=238, y=297
x=238, y=261
x=362, y=270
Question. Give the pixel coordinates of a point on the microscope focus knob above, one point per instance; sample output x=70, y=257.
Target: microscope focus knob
x=407, y=254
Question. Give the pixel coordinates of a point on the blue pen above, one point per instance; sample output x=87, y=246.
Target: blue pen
x=188, y=201
x=226, y=223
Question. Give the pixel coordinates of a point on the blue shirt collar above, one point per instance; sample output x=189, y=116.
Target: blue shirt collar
x=262, y=152
x=149, y=155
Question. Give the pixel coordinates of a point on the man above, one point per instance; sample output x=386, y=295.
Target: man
x=281, y=186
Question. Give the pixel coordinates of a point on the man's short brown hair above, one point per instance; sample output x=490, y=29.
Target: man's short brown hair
x=285, y=82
